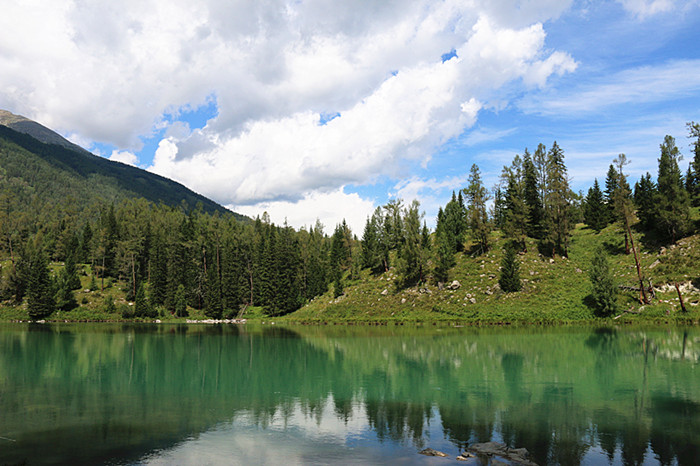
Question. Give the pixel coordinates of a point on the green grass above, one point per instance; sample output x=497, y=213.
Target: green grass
x=554, y=291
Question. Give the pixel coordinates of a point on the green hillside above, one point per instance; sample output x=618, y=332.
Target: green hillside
x=555, y=290
x=38, y=177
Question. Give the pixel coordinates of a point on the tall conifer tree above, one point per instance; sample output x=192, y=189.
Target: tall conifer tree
x=476, y=210
x=672, y=200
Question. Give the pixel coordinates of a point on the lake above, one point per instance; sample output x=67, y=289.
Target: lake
x=224, y=394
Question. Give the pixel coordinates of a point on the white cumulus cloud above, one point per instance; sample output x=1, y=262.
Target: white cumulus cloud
x=115, y=73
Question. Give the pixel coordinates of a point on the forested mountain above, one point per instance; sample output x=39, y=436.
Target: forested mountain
x=39, y=168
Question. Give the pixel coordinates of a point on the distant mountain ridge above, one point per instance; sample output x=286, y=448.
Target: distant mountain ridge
x=38, y=131
x=30, y=153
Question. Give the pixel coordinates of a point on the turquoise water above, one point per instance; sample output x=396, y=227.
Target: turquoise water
x=197, y=394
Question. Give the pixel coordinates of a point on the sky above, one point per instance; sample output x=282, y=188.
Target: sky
x=313, y=109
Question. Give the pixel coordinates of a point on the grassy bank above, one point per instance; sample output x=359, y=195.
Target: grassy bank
x=555, y=291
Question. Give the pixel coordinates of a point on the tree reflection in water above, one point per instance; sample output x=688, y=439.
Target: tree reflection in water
x=100, y=392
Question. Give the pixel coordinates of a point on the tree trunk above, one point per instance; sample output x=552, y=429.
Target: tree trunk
x=642, y=293
x=680, y=298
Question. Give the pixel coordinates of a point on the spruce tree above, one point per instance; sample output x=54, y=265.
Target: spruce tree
x=40, y=292
x=516, y=214
x=142, y=306
x=604, y=291
x=71, y=271
x=213, y=306
x=410, y=266
x=65, y=298
x=672, y=200
x=180, y=302
x=595, y=213
x=693, y=178
x=611, y=183
x=557, y=203
x=444, y=251
x=509, y=280
x=644, y=195
x=477, y=217
x=532, y=198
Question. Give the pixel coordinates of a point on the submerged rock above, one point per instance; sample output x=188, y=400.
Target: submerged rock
x=431, y=452
x=518, y=456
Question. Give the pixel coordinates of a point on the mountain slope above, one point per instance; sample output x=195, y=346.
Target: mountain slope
x=37, y=131
x=37, y=165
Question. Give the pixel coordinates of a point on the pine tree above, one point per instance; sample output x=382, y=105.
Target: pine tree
x=595, y=210
x=213, y=305
x=180, y=302
x=532, y=198
x=557, y=203
x=604, y=291
x=453, y=222
x=515, y=225
x=611, y=183
x=476, y=210
x=644, y=195
x=338, y=288
x=411, y=265
x=498, y=210
x=509, y=280
x=40, y=292
x=142, y=306
x=693, y=178
x=375, y=250
x=65, y=298
x=672, y=200
x=73, y=281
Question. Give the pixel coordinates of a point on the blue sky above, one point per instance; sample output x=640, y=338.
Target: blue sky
x=313, y=109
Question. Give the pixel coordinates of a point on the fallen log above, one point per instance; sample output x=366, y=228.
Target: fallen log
x=628, y=311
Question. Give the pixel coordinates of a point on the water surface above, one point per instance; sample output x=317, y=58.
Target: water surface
x=176, y=394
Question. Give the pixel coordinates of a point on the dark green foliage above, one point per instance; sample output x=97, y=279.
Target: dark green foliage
x=180, y=302
x=672, y=202
x=509, y=280
x=412, y=259
x=692, y=181
x=65, y=298
x=142, y=305
x=604, y=290
x=499, y=211
x=531, y=190
x=595, y=211
x=109, y=306
x=477, y=217
x=644, y=194
x=375, y=245
x=71, y=272
x=557, y=204
x=515, y=225
x=213, y=305
x=338, y=287
x=611, y=183
x=40, y=291
x=444, y=251
x=453, y=222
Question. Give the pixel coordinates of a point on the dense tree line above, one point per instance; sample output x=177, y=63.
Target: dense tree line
x=169, y=259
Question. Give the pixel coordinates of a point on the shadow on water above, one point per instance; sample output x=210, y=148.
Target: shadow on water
x=96, y=393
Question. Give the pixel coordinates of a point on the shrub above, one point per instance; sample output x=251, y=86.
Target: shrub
x=604, y=291
x=510, y=271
